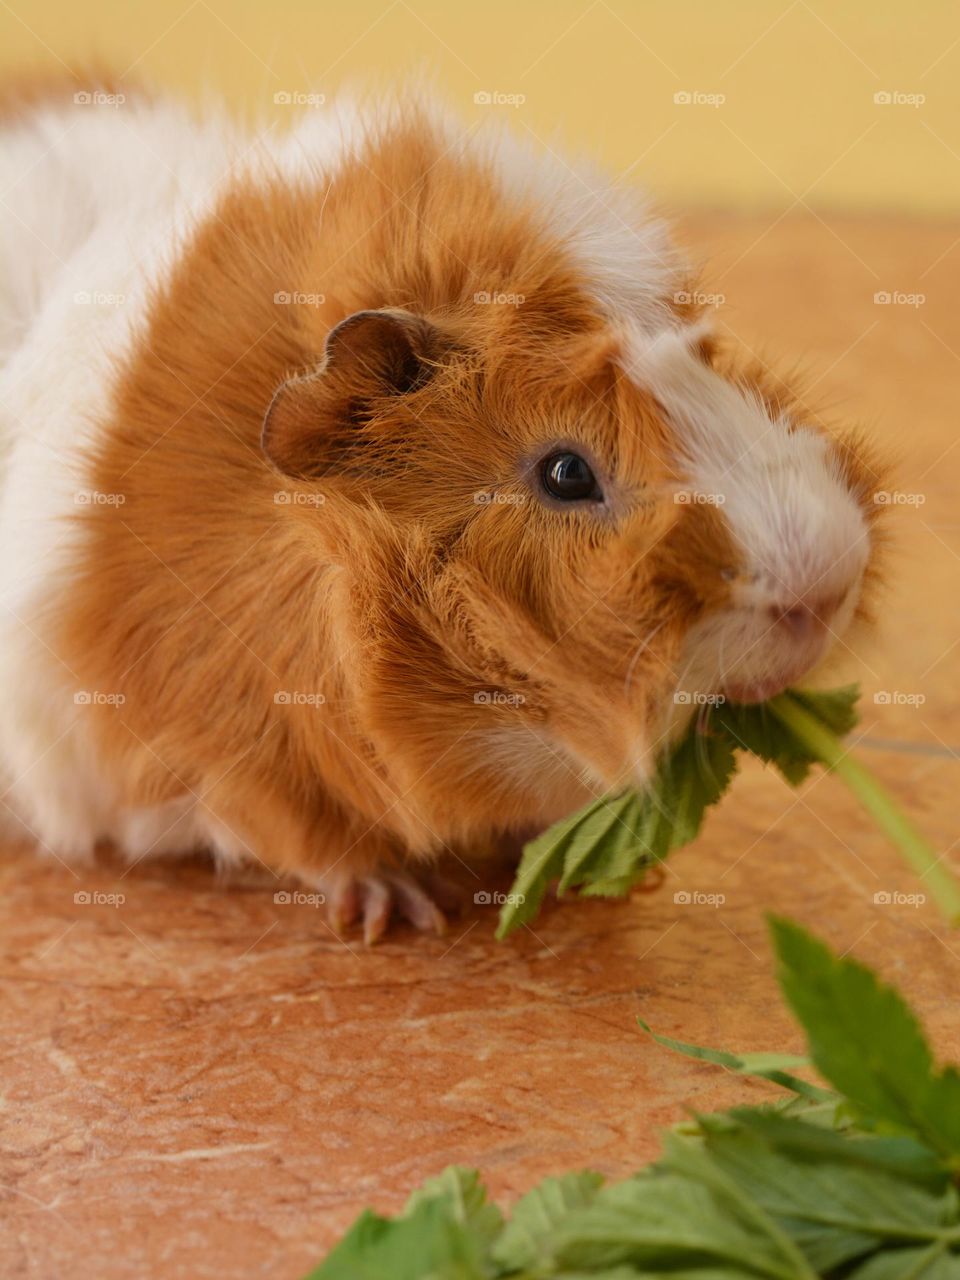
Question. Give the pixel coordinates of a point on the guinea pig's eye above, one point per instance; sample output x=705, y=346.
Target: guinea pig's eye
x=568, y=477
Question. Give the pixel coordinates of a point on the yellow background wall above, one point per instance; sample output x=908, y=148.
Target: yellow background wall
x=798, y=118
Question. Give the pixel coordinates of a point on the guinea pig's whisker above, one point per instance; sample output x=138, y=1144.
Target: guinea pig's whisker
x=637, y=654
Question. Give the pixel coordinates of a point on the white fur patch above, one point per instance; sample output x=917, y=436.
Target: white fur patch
x=778, y=484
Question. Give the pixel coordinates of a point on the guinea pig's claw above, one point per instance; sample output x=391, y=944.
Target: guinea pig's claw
x=377, y=908
x=373, y=900
x=416, y=905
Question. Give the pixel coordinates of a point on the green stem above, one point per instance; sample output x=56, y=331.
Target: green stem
x=830, y=750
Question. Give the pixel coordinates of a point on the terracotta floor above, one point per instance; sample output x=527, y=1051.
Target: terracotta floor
x=202, y=1083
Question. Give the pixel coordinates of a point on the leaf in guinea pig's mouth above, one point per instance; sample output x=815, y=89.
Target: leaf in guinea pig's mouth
x=608, y=847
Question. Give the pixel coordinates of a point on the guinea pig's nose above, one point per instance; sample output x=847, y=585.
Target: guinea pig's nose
x=803, y=620
x=798, y=620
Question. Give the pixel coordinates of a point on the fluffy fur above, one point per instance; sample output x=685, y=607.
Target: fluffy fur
x=289, y=589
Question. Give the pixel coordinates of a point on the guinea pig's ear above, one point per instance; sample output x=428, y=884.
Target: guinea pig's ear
x=311, y=424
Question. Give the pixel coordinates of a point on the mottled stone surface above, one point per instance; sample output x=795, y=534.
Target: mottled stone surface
x=200, y=1082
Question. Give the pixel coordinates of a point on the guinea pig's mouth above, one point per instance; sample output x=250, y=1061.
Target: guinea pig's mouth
x=743, y=687
x=759, y=690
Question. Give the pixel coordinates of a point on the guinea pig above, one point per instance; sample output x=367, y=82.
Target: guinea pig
x=373, y=493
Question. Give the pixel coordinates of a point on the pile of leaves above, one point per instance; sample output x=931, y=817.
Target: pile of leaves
x=855, y=1182
x=608, y=847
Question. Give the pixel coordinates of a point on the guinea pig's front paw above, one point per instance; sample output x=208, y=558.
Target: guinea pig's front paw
x=372, y=900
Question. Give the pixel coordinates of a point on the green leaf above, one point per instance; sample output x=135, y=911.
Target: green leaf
x=865, y=1040
x=798, y=1138
x=466, y=1197
x=835, y=1210
x=542, y=861
x=608, y=846
x=429, y=1244
x=607, y=826
x=537, y=1216
x=767, y=1066
x=931, y=1263
x=667, y=1221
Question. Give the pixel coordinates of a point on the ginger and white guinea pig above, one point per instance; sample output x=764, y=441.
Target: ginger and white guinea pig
x=370, y=493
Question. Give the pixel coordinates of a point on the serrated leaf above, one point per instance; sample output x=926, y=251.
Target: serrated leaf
x=667, y=1221
x=835, y=1210
x=541, y=862
x=466, y=1196
x=866, y=1041
x=836, y=708
x=607, y=847
x=753, y=728
x=932, y=1262
x=613, y=821
x=798, y=1138
x=537, y=1216
x=428, y=1244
